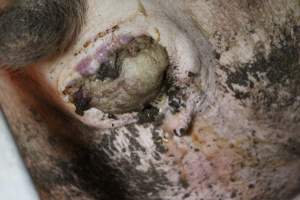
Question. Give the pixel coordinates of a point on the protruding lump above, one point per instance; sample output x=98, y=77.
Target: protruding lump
x=130, y=78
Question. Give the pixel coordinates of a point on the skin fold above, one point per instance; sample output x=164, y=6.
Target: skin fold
x=241, y=138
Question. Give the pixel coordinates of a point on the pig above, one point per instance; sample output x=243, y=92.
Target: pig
x=223, y=124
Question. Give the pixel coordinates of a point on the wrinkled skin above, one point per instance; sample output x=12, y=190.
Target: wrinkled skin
x=242, y=144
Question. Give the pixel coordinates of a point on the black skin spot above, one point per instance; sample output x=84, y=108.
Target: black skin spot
x=158, y=141
x=293, y=146
x=242, y=95
x=133, y=130
x=135, y=147
x=183, y=131
x=210, y=186
x=217, y=55
x=281, y=69
x=233, y=194
x=184, y=183
x=187, y=195
x=112, y=116
x=251, y=186
x=108, y=139
x=157, y=156
x=175, y=103
x=151, y=181
x=148, y=114
x=173, y=92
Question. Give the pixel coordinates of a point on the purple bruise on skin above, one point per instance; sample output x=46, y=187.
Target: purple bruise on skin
x=83, y=68
x=90, y=65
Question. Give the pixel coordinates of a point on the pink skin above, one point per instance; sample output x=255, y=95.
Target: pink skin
x=231, y=152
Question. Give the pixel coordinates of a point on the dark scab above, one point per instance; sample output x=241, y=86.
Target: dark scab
x=251, y=186
x=81, y=101
x=192, y=74
x=242, y=95
x=183, y=131
x=187, y=195
x=109, y=69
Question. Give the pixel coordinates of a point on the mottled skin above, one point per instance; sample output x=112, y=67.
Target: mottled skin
x=243, y=143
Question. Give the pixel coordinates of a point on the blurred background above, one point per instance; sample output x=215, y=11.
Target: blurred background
x=15, y=182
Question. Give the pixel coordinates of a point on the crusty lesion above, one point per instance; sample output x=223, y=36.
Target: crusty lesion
x=127, y=81
x=31, y=30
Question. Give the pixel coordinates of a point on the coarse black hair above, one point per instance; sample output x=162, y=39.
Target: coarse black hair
x=31, y=30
